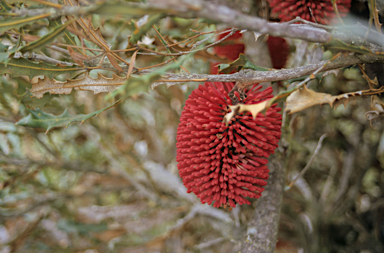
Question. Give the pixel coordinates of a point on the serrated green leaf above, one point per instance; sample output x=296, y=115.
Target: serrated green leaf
x=5, y=90
x=5, y=6
x=3, y=48
x=5, y=53
x=24, y=95
x=23, y=67
x=21, y=93
x=4, y=57
x=46, y=38
x=15, y=23
x=240, y=63
x=39, y=119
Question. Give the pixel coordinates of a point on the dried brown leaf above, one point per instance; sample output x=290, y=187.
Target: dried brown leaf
x=254, y=109
x=377, y=20
x=108, y=235
x=305, y=98
x=114, y=63
x=94, y=34
x=97, y=85
x=377, y=104
x=132, y=63
x=371, y=82
x=346, y=98
x=371, y=115
x=377, y=111
x=29, y=38
x=74, y=28
x=91, y=33
x=77, y=57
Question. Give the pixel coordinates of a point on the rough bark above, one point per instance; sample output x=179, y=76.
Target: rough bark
x=261, y=234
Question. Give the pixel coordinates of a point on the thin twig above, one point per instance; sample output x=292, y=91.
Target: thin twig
x=48, y=4
x=44, y=58
x=251, y=77
x=209, y=243
x=313, y=75
x=308, y=164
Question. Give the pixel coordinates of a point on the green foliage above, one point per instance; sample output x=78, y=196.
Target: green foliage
x=23, y=67
x=48, y=38
x=74, y=227
x=15, y=23
x=47, y=121
x=111, y=184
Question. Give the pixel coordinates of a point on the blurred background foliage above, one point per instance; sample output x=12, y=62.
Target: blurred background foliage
x=110, y=184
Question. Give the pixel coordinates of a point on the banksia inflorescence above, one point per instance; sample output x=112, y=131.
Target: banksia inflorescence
x=278, y=50
x=231, y=47
x=320, y=11
x=223, y=163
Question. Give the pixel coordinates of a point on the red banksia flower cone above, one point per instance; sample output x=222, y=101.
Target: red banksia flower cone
x=231, y=48
x=278, y=50
x=225, y=164
x=320, y=11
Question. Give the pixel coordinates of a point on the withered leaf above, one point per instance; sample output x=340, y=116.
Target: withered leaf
x=77, y=57
x=305, y=98
x=254, y=109
x=114, y=62
x=97, y=85
x=377, y=104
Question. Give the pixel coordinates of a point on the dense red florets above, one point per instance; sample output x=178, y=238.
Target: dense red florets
x=231, y=48
x=278, y=50
x=224, y=164
x=320, y=11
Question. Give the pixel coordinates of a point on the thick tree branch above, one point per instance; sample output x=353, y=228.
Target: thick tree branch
x=219, y=14
x=231, y=17
x=250, y=77
x=261, y=234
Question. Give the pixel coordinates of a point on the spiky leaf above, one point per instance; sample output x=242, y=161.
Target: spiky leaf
x=39, y=119
x=22, y=67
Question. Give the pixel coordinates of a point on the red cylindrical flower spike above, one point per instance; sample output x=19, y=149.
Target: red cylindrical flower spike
x=231, y=48
x=320, y=11
x=278, y=50
x=223, y=163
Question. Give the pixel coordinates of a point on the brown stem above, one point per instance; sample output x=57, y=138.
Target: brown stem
x=261, y=234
